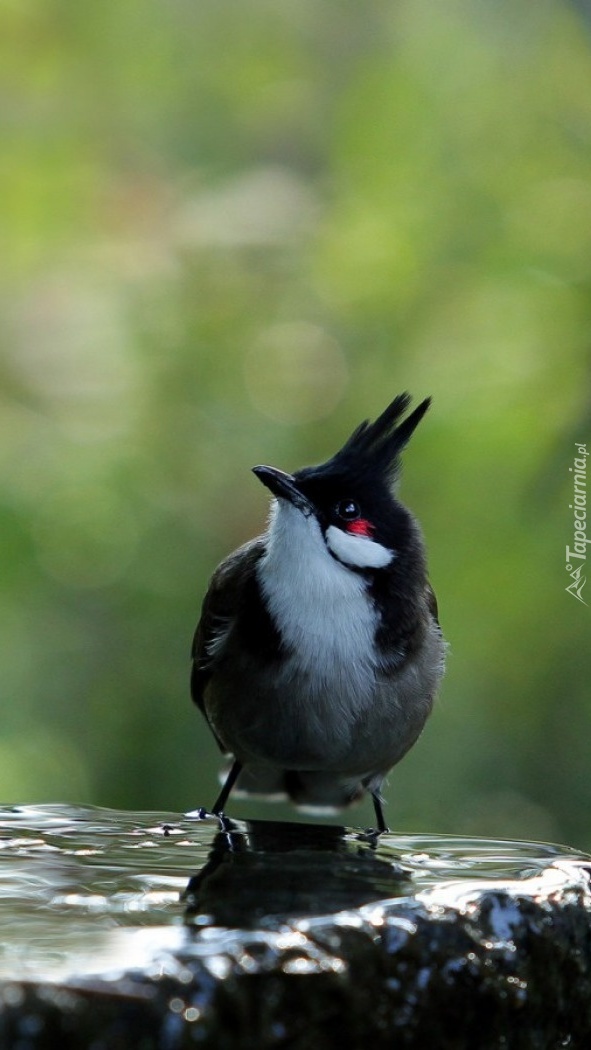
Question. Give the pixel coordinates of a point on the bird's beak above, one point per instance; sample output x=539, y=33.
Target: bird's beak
x=283, y=485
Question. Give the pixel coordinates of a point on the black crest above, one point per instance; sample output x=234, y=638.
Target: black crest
x=374, y=448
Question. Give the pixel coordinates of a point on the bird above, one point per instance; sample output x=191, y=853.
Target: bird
x=318, y=653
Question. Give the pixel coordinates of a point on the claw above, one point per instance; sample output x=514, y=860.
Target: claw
x=200, y=814
x=370, y=835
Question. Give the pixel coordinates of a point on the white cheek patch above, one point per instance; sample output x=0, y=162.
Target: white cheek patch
x=358, y=551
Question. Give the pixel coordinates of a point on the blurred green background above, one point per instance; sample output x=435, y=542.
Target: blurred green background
x=231, y=231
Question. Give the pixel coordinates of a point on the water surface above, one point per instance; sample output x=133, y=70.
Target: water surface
x=96, y=891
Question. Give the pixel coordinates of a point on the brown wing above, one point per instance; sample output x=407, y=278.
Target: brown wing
x=221, y=605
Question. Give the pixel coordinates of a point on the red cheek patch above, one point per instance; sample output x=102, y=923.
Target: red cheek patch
x=361, y=527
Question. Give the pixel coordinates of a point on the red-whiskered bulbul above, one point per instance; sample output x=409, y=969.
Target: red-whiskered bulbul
x=319, y=652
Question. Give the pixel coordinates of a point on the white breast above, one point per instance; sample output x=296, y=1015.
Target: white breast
x=322, y=608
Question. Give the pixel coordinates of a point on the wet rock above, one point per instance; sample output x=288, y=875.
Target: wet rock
x=303, y=937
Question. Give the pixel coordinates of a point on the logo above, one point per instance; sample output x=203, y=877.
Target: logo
x=576, y=557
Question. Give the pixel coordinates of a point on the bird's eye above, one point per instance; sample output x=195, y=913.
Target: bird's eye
x=348, y=510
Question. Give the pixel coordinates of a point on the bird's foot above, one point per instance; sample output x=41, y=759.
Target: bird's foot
x=371, y=835
x=199, y=814
x=208, y=814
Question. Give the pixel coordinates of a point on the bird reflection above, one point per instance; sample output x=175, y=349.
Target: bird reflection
x=265, y=870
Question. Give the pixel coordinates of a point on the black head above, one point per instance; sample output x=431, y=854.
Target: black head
x=373, y=450
x=350, y=495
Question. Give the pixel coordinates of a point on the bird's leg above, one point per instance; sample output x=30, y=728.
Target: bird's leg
x=377, y=805
x=371, y=835
x=220, y=802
